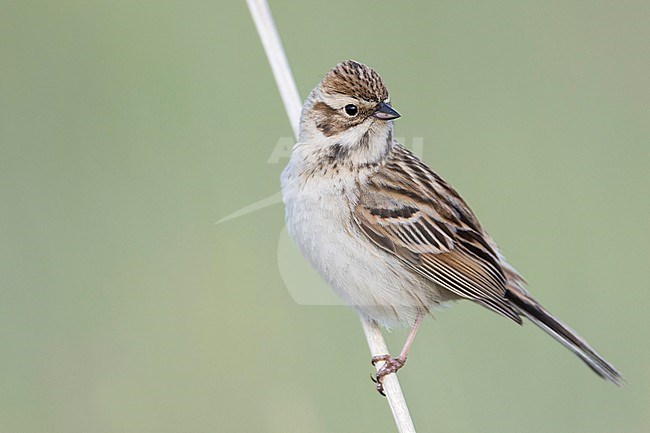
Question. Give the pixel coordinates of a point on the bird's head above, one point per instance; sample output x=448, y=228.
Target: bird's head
x=349, y=108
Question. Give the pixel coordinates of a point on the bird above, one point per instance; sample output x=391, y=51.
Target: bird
x=391, y=237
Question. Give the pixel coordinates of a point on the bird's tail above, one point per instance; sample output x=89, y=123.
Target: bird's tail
x=565, y=335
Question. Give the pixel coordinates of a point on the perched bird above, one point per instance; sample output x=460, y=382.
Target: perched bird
x=388, y=234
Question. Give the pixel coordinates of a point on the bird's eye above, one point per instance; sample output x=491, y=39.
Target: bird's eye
x=351, y=110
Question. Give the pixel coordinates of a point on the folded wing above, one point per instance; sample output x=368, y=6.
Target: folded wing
x=410, y=212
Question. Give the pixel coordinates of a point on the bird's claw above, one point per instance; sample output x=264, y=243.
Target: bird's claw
x=377, y=358
x=391, y=366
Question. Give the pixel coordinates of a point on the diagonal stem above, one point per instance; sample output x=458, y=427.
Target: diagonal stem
x=392, y=389
x=270, y=38
x=268, y=33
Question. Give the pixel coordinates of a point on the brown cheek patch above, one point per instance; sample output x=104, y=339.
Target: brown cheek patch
x=328, y=120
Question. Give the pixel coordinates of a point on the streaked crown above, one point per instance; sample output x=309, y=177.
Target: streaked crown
x=355, y=79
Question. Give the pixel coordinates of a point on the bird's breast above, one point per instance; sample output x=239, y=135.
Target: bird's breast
x=319, y=220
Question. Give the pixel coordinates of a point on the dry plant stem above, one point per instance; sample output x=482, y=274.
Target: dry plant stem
x=392, y=388
x=270, y=38
x=263, y=19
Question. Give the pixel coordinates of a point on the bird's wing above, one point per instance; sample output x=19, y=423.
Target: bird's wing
x=409, y=211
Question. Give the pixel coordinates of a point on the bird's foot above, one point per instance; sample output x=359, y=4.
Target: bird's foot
x=391, y=366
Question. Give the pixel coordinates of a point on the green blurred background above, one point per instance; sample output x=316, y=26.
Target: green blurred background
x=128, y=128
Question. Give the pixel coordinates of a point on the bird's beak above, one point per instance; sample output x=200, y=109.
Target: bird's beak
x=385, y=112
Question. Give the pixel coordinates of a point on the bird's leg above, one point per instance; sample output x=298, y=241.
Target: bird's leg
x=391, y=365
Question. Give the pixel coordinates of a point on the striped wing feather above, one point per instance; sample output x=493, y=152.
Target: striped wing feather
x=412, y=213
